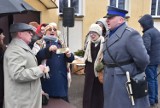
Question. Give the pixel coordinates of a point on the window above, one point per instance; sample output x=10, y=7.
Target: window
x=76, y=4
x=155, y=8
x=122, y=4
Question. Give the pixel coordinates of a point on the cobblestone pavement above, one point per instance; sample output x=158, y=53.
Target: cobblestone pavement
x=76, y=91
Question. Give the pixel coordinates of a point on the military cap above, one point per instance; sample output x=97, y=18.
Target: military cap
x=113, y=11
x=18, y=27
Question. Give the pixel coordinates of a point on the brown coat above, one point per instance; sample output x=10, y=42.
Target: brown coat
x=93, y=89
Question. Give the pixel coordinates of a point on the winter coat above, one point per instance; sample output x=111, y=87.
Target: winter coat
x=124, y=44
x=151, y=39
x=93, y=89
x=22, y=84
x=1, y=77
x=57, y=84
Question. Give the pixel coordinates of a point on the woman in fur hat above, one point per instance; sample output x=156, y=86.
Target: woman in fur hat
x=93, y=89
x=56, y=85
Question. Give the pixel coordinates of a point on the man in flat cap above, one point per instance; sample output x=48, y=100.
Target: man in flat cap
x=123, y=51
x=21, y=73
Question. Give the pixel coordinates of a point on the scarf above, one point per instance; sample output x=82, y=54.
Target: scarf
x=87, y=55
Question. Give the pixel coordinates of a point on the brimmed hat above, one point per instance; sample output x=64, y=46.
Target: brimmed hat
x=96, y=28
x=113, y=11
x=18, y=27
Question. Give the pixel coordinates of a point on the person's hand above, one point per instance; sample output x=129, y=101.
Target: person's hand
x=53, y=48
x=68, y=53
x=45, y=69
x=42, y=67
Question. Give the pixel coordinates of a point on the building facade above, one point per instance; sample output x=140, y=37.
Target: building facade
x=88, y=11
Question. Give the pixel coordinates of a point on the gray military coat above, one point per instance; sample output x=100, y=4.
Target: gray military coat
x=21, y=77
x=124, y=44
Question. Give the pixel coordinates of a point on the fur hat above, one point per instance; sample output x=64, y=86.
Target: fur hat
x=96, y=28
x=53, y=24
x=48, y=27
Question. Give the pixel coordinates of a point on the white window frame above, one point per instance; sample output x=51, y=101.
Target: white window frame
x=80, y=6
x=155, y=15
x=126, y=6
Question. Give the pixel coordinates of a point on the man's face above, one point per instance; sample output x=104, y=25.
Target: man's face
x=114, y=22
x=26, y=36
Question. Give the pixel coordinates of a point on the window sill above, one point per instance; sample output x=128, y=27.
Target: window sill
x=156, y=17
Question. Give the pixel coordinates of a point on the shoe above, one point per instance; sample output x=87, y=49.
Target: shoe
x=156, y=101
x=152, y=105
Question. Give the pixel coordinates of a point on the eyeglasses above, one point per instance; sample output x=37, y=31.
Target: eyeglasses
x=50, y=29
x=93, y=33
x=30, y=32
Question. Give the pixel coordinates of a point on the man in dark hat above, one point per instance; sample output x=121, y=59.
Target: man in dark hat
x=123, y=51
x=22, y=84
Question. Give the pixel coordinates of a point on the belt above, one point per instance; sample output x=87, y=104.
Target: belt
x=112, y=65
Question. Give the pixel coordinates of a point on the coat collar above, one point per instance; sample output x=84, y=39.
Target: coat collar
x=116, y=35
x=21, y=44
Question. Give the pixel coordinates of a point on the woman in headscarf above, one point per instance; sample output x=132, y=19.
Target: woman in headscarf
x=93, y=89
x=102, y=23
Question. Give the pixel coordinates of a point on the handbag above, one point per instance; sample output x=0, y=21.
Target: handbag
x=99, y=68
x=45, y=99
x=138, y=81
x=139, y=85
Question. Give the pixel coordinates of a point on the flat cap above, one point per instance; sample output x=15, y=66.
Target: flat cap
x=113, y=11
x=18, y=27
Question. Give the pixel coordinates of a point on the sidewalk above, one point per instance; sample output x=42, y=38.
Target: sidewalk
x=76, y=91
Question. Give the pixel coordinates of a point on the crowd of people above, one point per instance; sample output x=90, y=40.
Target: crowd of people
x=31, y=64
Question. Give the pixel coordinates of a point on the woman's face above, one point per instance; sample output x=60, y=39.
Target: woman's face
x=51, y=31
x=94, y=36
x=2, y=36
x=42, y=29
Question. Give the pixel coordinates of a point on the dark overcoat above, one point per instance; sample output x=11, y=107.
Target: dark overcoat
x=1, y=77
x=124, y=44
x=57, y=85
x=151, y=38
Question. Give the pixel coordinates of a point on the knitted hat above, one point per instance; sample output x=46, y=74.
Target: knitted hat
x=96, y=28
x=103, y=21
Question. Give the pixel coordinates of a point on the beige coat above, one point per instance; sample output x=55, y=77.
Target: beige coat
x=21, y=77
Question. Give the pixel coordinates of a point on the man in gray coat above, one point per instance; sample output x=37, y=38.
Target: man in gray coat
x=151, y=38
x=22, y=84
x=127, y=49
